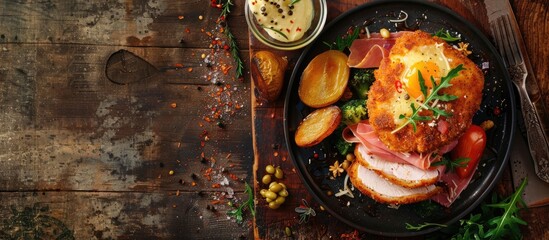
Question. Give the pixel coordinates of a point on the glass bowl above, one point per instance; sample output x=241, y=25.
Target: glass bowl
x=319, y=11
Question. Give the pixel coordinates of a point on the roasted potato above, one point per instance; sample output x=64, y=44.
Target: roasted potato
x=268, y=74
x=324, y=80
x=317, y=126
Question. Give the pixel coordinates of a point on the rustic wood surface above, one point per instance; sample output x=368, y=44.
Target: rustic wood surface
x=85, y=158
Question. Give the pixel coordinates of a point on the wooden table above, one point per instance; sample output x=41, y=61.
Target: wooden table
x=86, y=158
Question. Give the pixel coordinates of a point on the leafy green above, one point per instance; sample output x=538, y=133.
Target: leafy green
x=343, y=42
x=294, y=2
x=451, y=165
x=361, y=81
x=423, y=225
x=343, y=147
x=354, y=111
x=430, y=97
x=238, y=212
x=498, y=219
x=445, y=35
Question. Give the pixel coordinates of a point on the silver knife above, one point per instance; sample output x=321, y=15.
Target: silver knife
x=509, y=40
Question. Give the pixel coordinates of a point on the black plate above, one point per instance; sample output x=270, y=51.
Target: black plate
x=498, y=105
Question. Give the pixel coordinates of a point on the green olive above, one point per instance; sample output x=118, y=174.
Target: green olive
x=283, y=185
x=288, y=231
x=271, y=195
x=272, y=183
x=278, y=173
x=283, y=193
x=266, y=179
x=280, y=200
x=275, y=188
x=270, y=169
x=269, y=200
x=273, y=205
x=262, y=192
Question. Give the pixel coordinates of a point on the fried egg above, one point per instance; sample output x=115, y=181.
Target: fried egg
x=397, y=87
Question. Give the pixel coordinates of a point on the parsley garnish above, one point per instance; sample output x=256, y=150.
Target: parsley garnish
x=451, y=165
x=238, y=212
x=343, y=42
x=429, y=98
x=446, y=36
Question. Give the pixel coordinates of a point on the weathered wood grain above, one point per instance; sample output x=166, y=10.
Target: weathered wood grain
x=118, y=215
x=60, y=111
x=116, y=22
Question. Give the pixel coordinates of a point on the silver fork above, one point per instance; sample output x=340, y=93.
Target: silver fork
x=513, y=58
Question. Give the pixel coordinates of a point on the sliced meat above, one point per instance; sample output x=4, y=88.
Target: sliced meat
x=381, y=190
x=364, y=133
x=401, y=174
x=454, y=186
x=368, y=52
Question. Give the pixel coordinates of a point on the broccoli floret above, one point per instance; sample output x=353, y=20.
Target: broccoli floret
x=354, y=111
x=343, y=147
x=361, y=81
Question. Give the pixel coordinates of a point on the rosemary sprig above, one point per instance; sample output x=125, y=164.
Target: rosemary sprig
x=343, y=42
x=277, y=31
x=423, y=225
x=445, y=35
x=428, y=98
x=238, y=212
x=451, y=165
x=225, y=10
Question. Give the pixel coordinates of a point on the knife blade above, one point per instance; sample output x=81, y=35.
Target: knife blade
x=537, y=191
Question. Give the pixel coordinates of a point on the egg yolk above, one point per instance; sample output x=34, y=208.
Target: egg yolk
x=411, y=80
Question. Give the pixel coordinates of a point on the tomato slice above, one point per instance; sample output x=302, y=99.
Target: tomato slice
x=470, y=145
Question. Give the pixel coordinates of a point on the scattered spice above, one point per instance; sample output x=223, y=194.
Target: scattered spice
x=173, y=105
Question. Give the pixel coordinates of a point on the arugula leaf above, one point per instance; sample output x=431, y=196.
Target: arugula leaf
x=343, y=42
x=423, y=225
x=238, y=212
x=294, y=2
x=507, y=223
x=446, y=36
x=430, y=97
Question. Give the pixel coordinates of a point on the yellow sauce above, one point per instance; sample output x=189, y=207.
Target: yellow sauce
x=282, y=20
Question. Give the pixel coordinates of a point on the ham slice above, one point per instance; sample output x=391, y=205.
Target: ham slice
x=368, y=52
x=401, y=174
x=364, y=133
x=454, y=186
x=381, y=190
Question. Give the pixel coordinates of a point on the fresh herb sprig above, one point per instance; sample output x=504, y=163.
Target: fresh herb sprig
x=446, y=36
x=294, y=2
x=496, y=220
x=238, y=212
x=275, y=30
x=433, y=96
x=343, y=42
x=423, y=225
x=225, y=10
x=305, y=211
x=450, y=164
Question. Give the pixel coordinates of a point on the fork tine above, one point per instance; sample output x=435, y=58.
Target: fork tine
x=513, y=41
x=498, y=35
